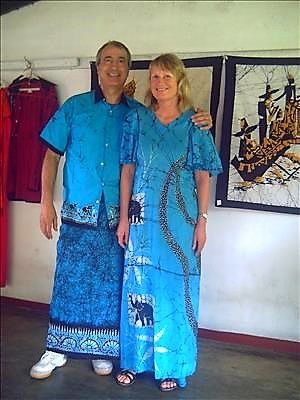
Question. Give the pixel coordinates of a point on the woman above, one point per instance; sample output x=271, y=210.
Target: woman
x=165, y=158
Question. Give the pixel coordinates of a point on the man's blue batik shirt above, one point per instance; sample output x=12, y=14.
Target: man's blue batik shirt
x=87, y=130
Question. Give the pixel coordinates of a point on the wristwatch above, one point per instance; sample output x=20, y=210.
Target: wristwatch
x=203, y=215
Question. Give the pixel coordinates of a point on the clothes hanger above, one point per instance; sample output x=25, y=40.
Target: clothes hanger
x=28, y=71
x=29, y=75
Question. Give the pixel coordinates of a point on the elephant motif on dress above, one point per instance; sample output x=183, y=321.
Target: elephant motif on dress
x=143, y=311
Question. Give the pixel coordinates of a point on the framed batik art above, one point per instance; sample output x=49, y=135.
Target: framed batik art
x=260, y=141
x=204, y=75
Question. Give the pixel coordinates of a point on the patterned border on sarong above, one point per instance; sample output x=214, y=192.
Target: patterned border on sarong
x=83, y=341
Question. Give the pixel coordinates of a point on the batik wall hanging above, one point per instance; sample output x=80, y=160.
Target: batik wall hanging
x=260, y=135
x=204, y=75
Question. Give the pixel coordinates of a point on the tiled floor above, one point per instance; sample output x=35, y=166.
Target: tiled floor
x=225, y=371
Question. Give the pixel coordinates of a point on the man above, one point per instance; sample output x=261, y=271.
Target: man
x=85, y=306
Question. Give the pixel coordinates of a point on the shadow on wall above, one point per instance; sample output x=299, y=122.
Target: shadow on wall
x=8, y=6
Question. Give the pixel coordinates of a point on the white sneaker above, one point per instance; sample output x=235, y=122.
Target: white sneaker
x=47, y=363
x=102, y=367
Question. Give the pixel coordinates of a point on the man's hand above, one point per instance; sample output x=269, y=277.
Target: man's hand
x=202, y=119
x=48, y=220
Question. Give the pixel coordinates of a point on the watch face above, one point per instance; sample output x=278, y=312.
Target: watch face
x=204, y=215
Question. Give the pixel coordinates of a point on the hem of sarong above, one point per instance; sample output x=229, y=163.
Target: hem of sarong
x=83, y=342
x=87, y=356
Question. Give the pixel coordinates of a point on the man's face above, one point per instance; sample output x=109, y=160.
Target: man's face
x=113, y=68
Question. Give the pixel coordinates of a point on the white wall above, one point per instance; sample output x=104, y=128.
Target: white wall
x=250, y=279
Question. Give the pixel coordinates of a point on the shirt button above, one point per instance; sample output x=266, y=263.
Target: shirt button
x=106, y=144
x=103, y=184
x=102, y=163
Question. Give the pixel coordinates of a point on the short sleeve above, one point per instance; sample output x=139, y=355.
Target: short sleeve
x=202, y=153
x=129, y=140
x=56, y=132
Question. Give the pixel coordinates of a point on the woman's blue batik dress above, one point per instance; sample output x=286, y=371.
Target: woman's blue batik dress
x=162, y=275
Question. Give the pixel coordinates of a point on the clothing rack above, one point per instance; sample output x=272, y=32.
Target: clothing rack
x=84, y=62
x=61, y=63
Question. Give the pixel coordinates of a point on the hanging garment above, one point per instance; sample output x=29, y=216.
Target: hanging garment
x=33, y=102
x=4, y=148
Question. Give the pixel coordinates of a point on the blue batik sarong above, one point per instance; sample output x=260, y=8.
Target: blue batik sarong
x=85, y=307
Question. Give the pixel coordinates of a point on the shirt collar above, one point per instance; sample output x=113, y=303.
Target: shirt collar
x=100, y=96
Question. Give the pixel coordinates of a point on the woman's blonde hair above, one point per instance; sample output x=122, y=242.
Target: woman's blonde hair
x=173, y=64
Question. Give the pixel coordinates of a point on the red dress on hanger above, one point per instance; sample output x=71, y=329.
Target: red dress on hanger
x=33, y=101
x=5, y=131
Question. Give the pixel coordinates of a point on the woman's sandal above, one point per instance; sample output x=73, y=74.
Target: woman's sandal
x=172, y=385
x=129, y=375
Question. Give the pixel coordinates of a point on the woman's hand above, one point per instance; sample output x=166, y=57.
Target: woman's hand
x=123, y=233
x=199, y=238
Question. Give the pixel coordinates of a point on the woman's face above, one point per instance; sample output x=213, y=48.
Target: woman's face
x=163, y=84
